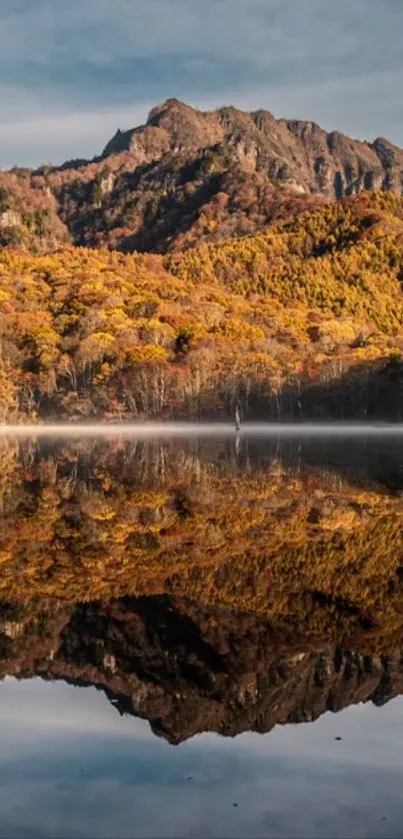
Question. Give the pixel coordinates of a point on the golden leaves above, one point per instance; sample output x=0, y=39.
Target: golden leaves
x=303, y=302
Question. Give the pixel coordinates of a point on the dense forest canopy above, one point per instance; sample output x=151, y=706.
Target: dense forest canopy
x=303, y=320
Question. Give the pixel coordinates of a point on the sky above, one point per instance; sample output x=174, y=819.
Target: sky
x=71, y=766
x=73, y=72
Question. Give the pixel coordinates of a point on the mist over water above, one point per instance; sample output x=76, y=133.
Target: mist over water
x=203, y=429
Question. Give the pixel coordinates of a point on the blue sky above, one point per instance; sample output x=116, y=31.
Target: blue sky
x=72, y=72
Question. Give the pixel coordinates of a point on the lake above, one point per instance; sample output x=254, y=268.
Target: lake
x=201, y=633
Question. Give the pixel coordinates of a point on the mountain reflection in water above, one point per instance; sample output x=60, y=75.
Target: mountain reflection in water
x=205, y=585
x=202, y=586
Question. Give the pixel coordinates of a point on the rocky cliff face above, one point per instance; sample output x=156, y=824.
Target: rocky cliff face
x=298, y=155
x=188, y=176
x=189, y=669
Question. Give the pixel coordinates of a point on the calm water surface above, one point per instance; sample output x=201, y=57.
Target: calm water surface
x=201, y=635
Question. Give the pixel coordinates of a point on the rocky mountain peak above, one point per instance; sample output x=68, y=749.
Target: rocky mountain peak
x=188, y=176
x=166, y=110
x=295, y=154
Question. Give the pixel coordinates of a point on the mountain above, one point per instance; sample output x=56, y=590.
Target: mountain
x=188, y=176
x=260, y=289
x=298, y=155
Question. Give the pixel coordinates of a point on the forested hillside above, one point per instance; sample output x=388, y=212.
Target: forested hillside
x=305, y=319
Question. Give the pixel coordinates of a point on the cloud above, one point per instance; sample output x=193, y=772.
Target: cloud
x=52, y=31
x=52, y=132
x=91, y=59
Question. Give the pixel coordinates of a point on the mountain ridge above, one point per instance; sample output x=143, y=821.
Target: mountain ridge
x=231, y=124
x=188, y=176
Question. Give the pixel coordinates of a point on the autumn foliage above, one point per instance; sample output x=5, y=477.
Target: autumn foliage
x=308, y=314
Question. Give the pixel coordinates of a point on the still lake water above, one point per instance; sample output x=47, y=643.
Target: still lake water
x=201, y=635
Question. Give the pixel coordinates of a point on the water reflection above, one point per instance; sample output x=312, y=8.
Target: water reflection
x=69, y=766
x=188, y=669
x=206, y=585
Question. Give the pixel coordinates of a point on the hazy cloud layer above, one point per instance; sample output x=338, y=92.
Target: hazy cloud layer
x=70, y=70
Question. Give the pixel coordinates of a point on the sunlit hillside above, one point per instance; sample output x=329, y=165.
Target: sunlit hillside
x=303, y=320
